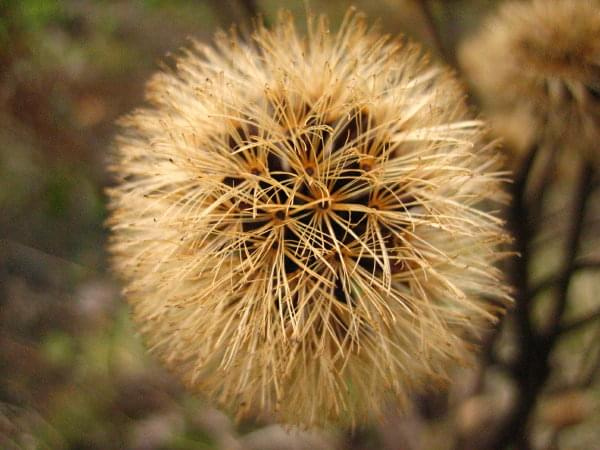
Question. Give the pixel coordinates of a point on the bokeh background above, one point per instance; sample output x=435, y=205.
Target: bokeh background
x=73, y=373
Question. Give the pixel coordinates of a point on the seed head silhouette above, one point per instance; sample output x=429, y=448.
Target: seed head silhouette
x=303, y=223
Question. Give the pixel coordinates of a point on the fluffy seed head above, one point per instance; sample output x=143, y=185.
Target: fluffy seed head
x=301, y=224
x=544, y=57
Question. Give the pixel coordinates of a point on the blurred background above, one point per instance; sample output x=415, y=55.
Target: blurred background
x=73, y=374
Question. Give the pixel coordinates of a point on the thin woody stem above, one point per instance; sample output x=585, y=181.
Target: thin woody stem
x=552, y=281
x=539, y=189
x=434, y=33
x=522, y=233
x=579, y=322
x=519, y=278
x=532, y=369
x=573, y=238
x=253, y=11
x=250, y=7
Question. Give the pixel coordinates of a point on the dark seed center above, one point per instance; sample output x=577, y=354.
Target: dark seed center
x=347, y=141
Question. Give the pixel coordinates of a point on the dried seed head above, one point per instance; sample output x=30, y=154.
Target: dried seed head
x=298, y=221
x=542, y=57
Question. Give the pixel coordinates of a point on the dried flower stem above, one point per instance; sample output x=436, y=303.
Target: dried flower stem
x=552, y=281
x=250, y=7
x=593, y=359
x=580, y=201
x=434, y=33
x=580, y=322
x=522, y=233
x=532, y=369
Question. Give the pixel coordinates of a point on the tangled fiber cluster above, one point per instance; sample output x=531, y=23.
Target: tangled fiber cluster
x=301, y=221
x=541, y=59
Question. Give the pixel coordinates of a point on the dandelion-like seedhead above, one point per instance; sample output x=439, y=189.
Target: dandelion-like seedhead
x=303, y=223
x=543, y=57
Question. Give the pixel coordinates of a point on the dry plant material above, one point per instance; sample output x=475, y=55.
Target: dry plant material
x=544, y=57
x=303, y=223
